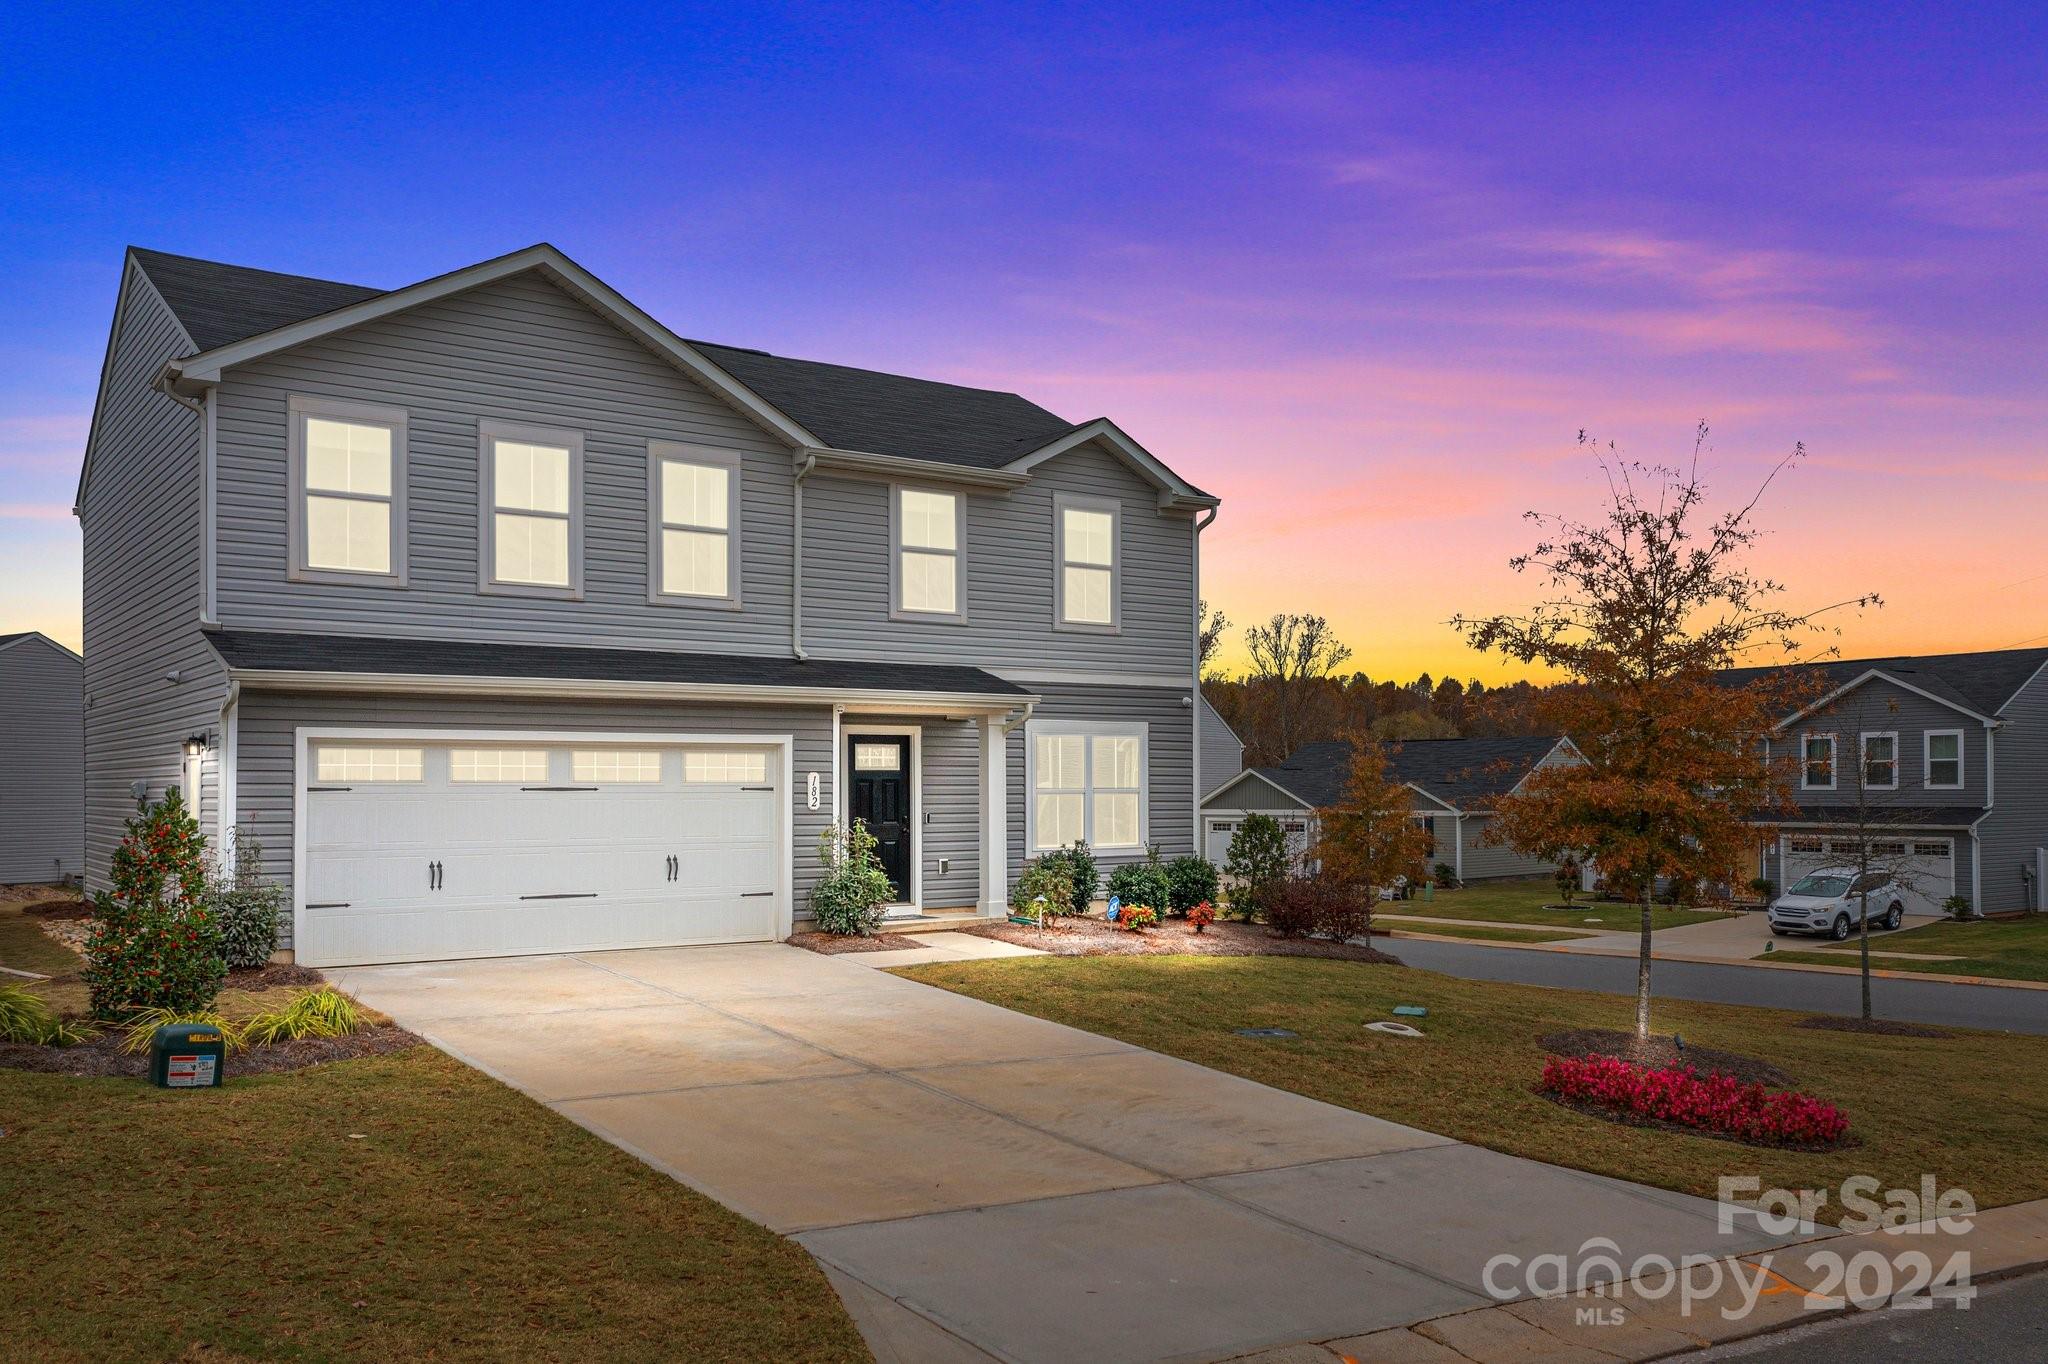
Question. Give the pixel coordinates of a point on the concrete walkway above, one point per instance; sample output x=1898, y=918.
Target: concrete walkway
x=981, y=1184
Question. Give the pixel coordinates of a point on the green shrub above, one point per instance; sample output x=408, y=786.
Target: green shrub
x=27, y=1017
x=247, y=908
x=1082, y=871
x=1256, y=865
x=1141, y=883
x=1045, y=890
x=1446, y=876
x=1958, y=907
x=322, y=1012
x=1192, y=881
x=155, y=943
x=1763, y=887
x=848, y=898
x=138, y=1026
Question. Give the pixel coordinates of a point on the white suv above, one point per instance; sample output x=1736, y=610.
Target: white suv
x=1830, y=901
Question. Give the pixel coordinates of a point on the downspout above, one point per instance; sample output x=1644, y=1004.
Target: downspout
x=796, y=563
x=1012, y=726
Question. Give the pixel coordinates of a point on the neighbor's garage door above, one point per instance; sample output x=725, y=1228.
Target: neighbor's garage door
x=1925, y=868
x=424, y=851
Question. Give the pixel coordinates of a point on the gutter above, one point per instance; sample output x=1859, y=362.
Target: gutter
x=796, y=556
x=443, y=683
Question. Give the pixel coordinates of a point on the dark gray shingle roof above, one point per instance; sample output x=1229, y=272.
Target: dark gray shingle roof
x=849, y=409
x=270, y=651
x=1982, y=681
x=222, y=304
x=1464, y=772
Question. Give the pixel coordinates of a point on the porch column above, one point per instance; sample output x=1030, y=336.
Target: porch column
x=995, y=817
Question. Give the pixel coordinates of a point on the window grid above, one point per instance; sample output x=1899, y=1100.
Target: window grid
x=1944, y=760
x=1880, y=762
x=695, y=513
x=724, y=766
x=927, y=552
x=1817, y=762
x=466, y=765
x=1087, y=786
x=622, y=766
x=1087, y=566
x=337, y=763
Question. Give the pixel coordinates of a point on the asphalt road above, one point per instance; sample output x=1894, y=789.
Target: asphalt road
x=1917, y=1001
x=2007, y=1320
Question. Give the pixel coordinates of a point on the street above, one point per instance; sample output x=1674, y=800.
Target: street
x=2008, y=1320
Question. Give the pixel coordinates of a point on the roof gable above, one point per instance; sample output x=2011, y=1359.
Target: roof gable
x=25, y=637
x=1982, y=682
x=1461, y=773
x=1264, y=778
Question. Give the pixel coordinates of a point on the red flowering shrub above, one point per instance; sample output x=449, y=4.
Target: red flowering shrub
x=1202, y=915
x=1713, y=1102
x=1137, y=918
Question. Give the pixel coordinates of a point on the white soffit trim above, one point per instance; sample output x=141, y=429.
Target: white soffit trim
x=444, y=684
x=206, y=367
x=1173, y=490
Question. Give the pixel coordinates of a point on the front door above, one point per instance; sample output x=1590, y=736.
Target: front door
x=880, y=796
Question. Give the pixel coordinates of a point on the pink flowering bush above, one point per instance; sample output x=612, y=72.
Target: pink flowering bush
x=1713, y=1102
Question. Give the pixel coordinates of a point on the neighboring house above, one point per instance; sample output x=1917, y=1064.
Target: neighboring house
x=1456, y=783
x=1942, y=760
x=509, y=621
x=42, y=785
x=1222, y=750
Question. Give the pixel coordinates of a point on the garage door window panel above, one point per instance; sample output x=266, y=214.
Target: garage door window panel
x=504, y=765
x=724, y=767
x=358, y=765
x=533, y=511
x=608, y=767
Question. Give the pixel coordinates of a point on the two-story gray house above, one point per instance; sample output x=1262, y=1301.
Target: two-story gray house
x=509, y=621
x=1939, y=761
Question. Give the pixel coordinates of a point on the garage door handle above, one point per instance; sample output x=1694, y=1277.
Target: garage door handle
x=565, y=895
x=558, y=788
x=757, y=788
x=314, y=789
x=672, y=866
x=754, y=894
x=331, y=904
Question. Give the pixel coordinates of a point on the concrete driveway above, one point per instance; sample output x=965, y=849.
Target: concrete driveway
x=981, y=1184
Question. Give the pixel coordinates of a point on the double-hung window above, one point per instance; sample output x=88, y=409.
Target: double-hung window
x=1817, y=762
x=1088, y=781
x=1881, y=762
x=926, y=531
x=532, y=514
x=1087, y=577
x=1943, y=769
x=694, y=501
x=348, y=491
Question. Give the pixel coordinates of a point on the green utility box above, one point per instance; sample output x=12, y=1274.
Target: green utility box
x=187, y=1056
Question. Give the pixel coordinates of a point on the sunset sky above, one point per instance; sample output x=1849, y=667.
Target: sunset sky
x=1363, y=271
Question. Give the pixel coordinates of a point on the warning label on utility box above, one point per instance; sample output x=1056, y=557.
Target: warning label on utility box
x=188, y=1072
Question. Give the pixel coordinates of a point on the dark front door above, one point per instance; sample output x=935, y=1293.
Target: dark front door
x=880, y=793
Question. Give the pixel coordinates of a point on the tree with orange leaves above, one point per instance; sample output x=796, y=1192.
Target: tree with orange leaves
x=1642, y=609
x=1371, y=837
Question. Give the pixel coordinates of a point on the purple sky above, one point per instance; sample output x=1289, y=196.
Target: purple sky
x=1363, y=272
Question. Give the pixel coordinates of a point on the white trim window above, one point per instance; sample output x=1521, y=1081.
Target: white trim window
x=1881, y=761
x=531, y=480
x=505, y=766
x=1088, y=572
x=347, y=476
x=1941, y=767
x=926, y=531
x=693, y=524
x=1817, y=762
x=357, y=763
x=1087, y=781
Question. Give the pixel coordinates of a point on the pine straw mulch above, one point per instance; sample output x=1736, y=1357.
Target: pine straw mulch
x=102, y=1055
x=1884, y=1027
x=832, y=944
x=1091, y=937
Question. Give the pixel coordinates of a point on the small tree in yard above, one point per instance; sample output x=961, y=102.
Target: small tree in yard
x=1642, y=609
x=155, y=942
x=1257, y=862
x=1371, y=837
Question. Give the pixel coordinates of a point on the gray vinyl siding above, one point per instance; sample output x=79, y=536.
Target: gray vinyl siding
x=1170, y=745
x=1876, y=707
x=949, y=813
x=1255, y=793
x=1008, y=573
x=269, y=720
x=1490, y=861
x=2018, y=823
x=141, y=527
x=42, y=783
x=519, y=351
x=1222, y=750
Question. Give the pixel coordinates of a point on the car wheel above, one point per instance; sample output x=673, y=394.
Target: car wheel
x=1896, y=917
x=1840, y=932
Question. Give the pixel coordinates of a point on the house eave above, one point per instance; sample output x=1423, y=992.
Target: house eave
x=273, y=679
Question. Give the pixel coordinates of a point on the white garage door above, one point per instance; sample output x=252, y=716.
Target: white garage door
x=1216, y=840
x=421, y=851
x=1925, y=868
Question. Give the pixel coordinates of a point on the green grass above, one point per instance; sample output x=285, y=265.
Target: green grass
x=397, y=1207
x=25, y=947
x=1488, y=933
x=2009, y=949
x=1969, y=1108
x=1522, y=902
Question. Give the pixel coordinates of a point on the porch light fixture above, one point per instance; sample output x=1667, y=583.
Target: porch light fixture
x=197, y=744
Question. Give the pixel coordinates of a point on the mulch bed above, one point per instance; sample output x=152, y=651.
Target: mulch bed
x=271, y=975
x=832, y=944
x=1884, y=1026
x=1091, y=937
x=60, y=909
x=1659, y=1052
x=102, y=1056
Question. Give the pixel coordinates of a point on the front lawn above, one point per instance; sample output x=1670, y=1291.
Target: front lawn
x=399, y=1207
x=1970, y=1108
x=26, y=947
x=2010, y=949
x=1522, y=902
